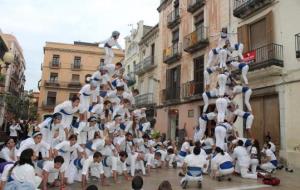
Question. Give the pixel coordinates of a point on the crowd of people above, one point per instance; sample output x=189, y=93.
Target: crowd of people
x=111, y=138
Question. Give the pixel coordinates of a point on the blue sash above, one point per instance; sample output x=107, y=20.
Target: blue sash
x=77, y=163
x=208, y=94
x=248, y=143
x=85, y=94
x=122, y=126
x=106, y=45
x=103, y=93
x=215, y=51
x=182, y=153
x=209, y=70
x=64, y=112
x=90, y=108
x=236, y=46
x=3, y=164
x=62, y=151
x=194, y=171
x=140, y=127
x=245, y=89
x=274, y=162
x=9, y=179
x=246, y=115
x=96, y=79
x=204, y=117
x=114, y=83
x=88, y=145
x=40, y=163
x=222, y=125
x=104, y=162
x=241, y=65
x=226, y=165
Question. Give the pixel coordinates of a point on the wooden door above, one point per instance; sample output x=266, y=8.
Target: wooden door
x=266, y=118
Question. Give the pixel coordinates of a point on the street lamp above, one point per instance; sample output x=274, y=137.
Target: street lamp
x=8, y=58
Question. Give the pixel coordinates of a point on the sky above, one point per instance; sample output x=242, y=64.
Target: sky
x=34, y=22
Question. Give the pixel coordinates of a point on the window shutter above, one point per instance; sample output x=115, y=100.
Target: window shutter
x=243, y=36
x=269, y=27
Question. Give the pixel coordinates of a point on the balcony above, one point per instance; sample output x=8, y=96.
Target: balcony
x=170, y=95
x=75, y=66
x=266, y=56
x=144, y=66
x=75, y=84
x=48, y=105
x=297, y=45
x=194, y=5
x=51, y=83
x=244, y=8
x=192, y=90
x=172, y=53
x=173, y=19
x=54, y=65
x=197, y=40
x=144, y=100
x=163, y=4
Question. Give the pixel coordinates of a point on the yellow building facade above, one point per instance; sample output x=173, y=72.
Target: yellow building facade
x=65, y=69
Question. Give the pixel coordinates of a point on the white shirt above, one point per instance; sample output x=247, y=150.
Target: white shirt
x=49, y=167
x=240, y=153
x=66, y=147
x=92, y=130
x=111, y=42
x=29, y=143
x=219, y=159
x=86, y=89
x=97, y=109
x=24, y=173
x=98, y=145
x=13, y=130
x=6, y=172
x=89, y=163
x=185, y=147
x=8, y=155
x=67, y=107
x=270, y=154
x=193, y=160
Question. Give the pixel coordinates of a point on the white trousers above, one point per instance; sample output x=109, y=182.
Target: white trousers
x=245, y=70
x=202, y=124
x=221, y=105
x=267, y=166
x=220, y=134
x=222, y=79
x=134, y=164
x=249, y=121
x=109, y=55
x=243, y=170
x=240, y=50
x=247, y=97
x=212, y=59
x=205, y=101
x=206, y=78
x=254, y=163
x=223, y=58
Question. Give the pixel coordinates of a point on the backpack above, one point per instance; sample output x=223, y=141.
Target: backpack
x=271, y=181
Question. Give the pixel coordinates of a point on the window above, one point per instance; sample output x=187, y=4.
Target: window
x=128, y=68
x=77, y=62
x=176, y=9
x=152, y=50
x=53, y=77
x=173, y=83
x=198, y=20
x=198, y=74
x=175, y=36
x=51, y=98
x=75, y=78
x=55, y=60
x=258, y=35
x=297, y=44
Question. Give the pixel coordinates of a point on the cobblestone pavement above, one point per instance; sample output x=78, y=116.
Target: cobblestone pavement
x=289, y=181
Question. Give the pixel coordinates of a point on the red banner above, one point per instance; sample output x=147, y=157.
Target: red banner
x=250, y=56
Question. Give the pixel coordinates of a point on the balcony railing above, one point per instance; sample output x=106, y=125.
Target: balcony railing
x=48, y=105
x=72, y=85
x=196, y=40
x=194, y=5
x=75, y=66
x=144, y=100
x=54, y=64
x=173, y=19
x=192, y=90
x=170, y=95
x=145, y=65
x=266, y=56
x=244, y=8
x=172, y=53
x=297, y=45
x=75, y=84
x=51, y=83
x=162, y=4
